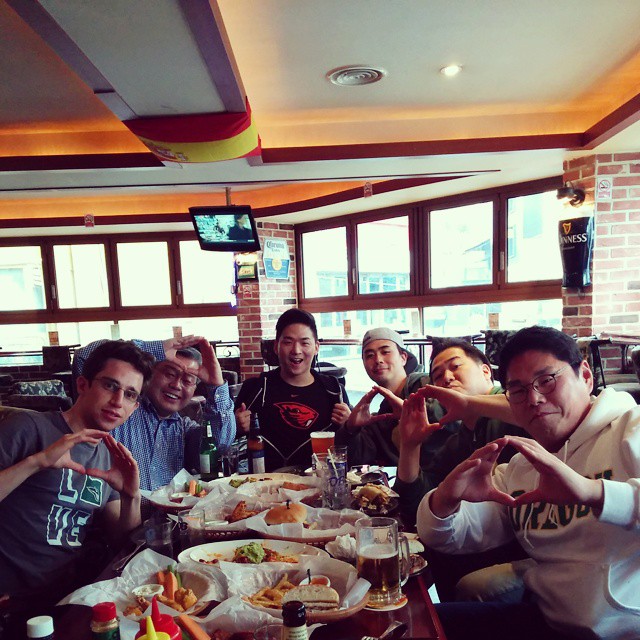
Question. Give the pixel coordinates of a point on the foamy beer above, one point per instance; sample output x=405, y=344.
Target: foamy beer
x=379, y=558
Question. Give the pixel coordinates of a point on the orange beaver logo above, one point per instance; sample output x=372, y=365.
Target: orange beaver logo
x=296, y=415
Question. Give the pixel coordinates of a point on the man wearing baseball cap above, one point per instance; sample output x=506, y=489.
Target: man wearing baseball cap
x=374, y=438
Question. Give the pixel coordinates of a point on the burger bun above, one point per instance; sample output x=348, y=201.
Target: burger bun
x=315, y=597
x=285, y=513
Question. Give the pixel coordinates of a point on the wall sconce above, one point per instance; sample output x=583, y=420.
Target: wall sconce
x=568, y=194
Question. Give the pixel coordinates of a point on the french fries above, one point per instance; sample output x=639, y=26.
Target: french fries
x=271, y=597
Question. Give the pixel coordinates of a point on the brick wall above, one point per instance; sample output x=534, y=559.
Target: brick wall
x=612, y=303
x=261, y=303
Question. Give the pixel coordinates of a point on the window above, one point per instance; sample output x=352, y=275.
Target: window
x=383, y=255
x=461, y=246
x=206, y=275
x=81, y=275
x=470, y=319
x=325, y=260
x=532, y=233
x=21, y=279
x=143, y=269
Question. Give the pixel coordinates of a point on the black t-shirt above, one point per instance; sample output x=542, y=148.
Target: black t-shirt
x=289, y=414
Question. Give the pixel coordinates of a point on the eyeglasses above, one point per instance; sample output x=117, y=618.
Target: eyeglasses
x=112, y=386
x=543, y=384
x=171, y=374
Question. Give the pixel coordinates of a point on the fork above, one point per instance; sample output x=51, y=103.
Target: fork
x=394, y=631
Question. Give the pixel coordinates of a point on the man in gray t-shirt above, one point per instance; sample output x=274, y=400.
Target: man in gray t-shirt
x=59, y=469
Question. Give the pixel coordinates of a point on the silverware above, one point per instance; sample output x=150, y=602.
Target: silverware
x=394, y=631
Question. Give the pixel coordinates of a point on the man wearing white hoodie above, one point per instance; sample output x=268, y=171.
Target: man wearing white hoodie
x=571, y=497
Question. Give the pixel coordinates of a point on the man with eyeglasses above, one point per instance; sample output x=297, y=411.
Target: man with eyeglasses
x=59, y=470
x=571, y=498
x=161, y=439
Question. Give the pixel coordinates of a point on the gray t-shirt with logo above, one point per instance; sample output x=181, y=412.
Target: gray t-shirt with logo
x=43, y=522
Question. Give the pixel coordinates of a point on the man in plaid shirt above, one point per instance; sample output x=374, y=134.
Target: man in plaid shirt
x=156, y=434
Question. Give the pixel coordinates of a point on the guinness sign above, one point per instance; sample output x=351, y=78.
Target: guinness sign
x=576, y=244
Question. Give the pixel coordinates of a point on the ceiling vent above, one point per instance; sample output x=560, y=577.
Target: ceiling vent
x=355, y=76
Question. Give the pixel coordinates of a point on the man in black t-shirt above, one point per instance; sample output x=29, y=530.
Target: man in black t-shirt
x=292, y=400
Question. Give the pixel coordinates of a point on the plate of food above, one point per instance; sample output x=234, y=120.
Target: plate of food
x=298, y=523
x=375, y=500
x=181, y=591
x=322, y=603
x=177, y=498
x=254, y=551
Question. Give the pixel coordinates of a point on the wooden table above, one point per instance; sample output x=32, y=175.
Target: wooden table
x=72, y=621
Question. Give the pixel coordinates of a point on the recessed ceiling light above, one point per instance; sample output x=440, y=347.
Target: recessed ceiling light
x=451, y=70
x=355, y=76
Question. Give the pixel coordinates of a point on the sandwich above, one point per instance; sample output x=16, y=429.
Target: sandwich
x=315, y=597
x=285, y=513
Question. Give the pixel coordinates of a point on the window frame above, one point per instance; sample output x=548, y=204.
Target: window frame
x=420, y=293
x=114, y=311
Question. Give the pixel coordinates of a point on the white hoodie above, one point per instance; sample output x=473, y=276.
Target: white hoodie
x=587, y=573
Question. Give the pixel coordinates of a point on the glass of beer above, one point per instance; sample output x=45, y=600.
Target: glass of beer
x=378, y=551
x=321, y=441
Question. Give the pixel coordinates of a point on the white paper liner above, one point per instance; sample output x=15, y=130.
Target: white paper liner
x=343, y=548
x=329, y=524
x=141, y=570
x=245, y=580
x=162, y=495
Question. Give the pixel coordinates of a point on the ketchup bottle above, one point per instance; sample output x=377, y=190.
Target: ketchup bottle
x=162, y=622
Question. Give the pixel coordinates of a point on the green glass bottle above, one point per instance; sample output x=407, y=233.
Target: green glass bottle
x=208, y=454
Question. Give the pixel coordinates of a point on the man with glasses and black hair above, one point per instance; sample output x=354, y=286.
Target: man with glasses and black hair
x=571, y=498
x=58, y=470
x=161, y=440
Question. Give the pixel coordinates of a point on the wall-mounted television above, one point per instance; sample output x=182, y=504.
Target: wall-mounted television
x=230, y=228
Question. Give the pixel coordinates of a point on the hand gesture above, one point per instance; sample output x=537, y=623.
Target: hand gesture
x=243, y=418
x=58, y=454
x=456, y=404
x=210, y=371
x=414, y=423
x=340, y=413
x=472, y=481
x=123, y=476
x=559, y=484
x=173, y=345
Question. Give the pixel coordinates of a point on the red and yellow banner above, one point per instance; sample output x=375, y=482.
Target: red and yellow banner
x=207, y=137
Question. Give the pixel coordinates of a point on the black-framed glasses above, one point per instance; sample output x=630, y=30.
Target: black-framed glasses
x=543, y=384
x=172, y=374
x=110, y=385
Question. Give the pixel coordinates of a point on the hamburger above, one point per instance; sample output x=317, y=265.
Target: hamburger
x=285, y=513
x=314, y=597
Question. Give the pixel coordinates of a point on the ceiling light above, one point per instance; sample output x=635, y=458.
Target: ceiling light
x=451, y=70
x=355, y=76
x=568, y=194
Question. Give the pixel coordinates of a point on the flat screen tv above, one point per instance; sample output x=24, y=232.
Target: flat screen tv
x=230, y=228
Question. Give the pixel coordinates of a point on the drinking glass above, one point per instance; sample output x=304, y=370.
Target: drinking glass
x=229, y=458
x=158, y=535
x=321, y=441
x=333, y=480
x=380, y=558
x=271, y=631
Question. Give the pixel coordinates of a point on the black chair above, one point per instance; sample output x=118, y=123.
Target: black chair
x=57, y=362
x=332, y=370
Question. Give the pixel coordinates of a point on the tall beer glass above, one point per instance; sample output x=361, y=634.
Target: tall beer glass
x=378, y=558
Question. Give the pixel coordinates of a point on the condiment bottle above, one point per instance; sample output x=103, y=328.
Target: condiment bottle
x=105, y=624
x=255, y=446
x=152, y=634
x=161, y=622
x=208, y=454
x=294, y=621
x=40, y=627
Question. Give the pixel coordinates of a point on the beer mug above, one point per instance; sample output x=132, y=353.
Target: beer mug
x=383, y=558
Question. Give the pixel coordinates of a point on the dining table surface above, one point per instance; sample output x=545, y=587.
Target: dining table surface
x=72, y=622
